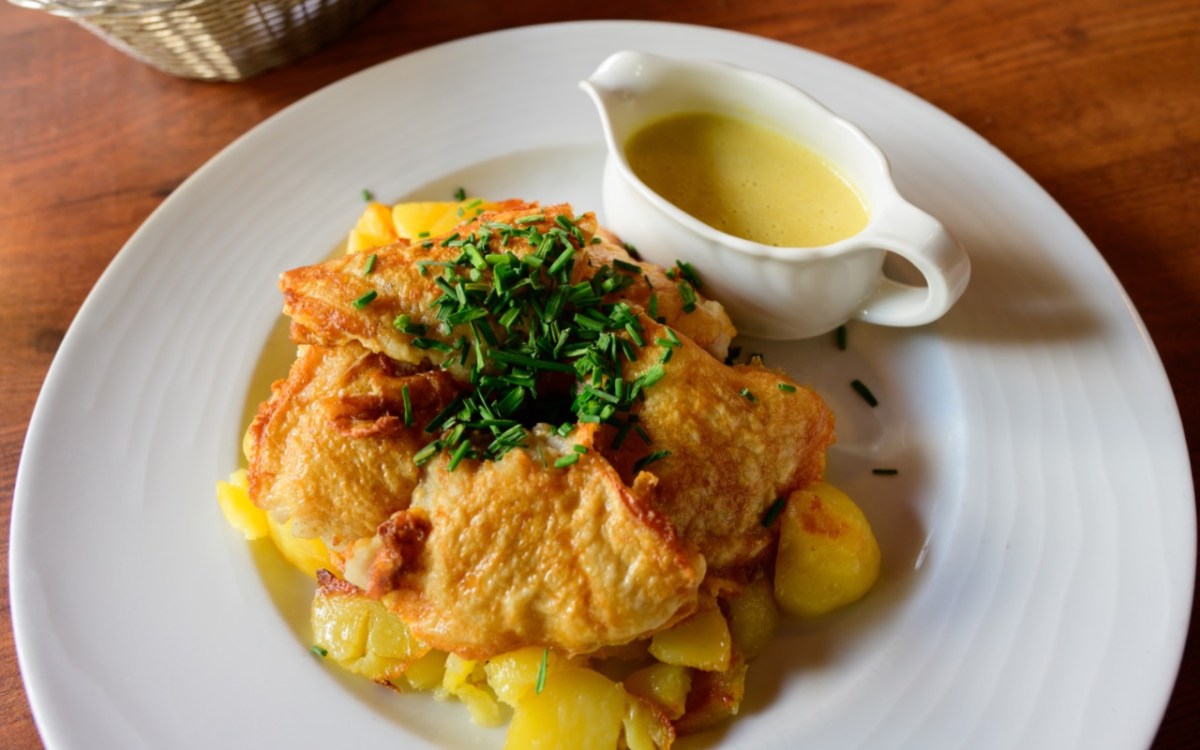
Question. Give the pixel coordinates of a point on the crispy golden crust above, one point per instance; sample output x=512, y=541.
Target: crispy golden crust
x=515, y=553
x=730, y=456
x=708, y=325
x=321, y=299
x=329, y=450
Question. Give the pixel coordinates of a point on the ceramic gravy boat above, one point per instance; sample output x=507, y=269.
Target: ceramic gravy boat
x=772, y=292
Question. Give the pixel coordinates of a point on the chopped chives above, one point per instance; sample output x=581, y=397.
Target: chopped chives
x=460, y=194
x=773, y=511
x=688, y=295
x=367, y=197
x=746, y=394
x=318, y=650
x=365, y=300
x=787, y=388
x=688, y=272
x=567, y=460
x=865, y=392
x=423, y=343
x=460, y=452
x=408, y=415
x=543, y=668
x=581, y=449
x=369, y=266
x=645, y=461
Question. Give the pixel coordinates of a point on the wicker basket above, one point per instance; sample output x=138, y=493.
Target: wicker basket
x=225, y=40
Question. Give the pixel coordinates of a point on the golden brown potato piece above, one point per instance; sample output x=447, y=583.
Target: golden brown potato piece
x=828, y=556
x=329, y=452
x=498, y=555
x=736, y=442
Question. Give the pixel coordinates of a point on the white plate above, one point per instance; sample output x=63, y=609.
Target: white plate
x=1039, y=539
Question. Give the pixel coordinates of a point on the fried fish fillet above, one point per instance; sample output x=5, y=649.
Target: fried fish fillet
x=734, y=442
x=329, y=451
x=496, y=555
x=321, y=299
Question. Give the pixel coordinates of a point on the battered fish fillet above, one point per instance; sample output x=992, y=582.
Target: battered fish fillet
x=320, y=299
x=736, y=442
x=329, y=450
x=497, y=555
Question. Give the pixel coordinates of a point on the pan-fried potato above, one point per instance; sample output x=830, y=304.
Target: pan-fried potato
x=646, y=728
x=828, y=556
x=665, y=686
x=577, y=709
x=753, y=618
x=715, y=697
x=361, y=634
x=701, y=641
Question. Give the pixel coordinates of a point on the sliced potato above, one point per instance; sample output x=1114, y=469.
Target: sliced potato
x=514, y=674
x=715, y=697
x=433, y=218
x=373, y=229
x=240, y=512
x=359, y=633
x=308, y=555
x=665, y=686
x=701, y=641
x=646, y=727
x=577, y=709
x=753, y=618
x=828, y=556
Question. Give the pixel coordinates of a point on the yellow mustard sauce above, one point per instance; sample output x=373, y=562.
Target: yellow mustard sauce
x=746, y=180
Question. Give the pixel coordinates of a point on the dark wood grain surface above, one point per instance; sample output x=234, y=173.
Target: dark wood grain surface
x=1099, y=100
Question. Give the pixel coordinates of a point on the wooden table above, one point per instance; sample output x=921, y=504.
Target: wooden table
x=1099, y=100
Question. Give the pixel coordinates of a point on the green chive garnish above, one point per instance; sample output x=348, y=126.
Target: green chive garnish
x=507, y=311
x=773, y=511
x=424, y=455
x=369, y=266
x=460, y=194
x=645, y=461
x=365, y=300
x=408, y=415
x=423, y=343
x=787, y=388
x=567, y=460
x=688, y=295
x=321, y=652
x=543, y=668
x=746, y=394
x=865, y=392
x=460, y=452
x=367, y=196
x=688, y=272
